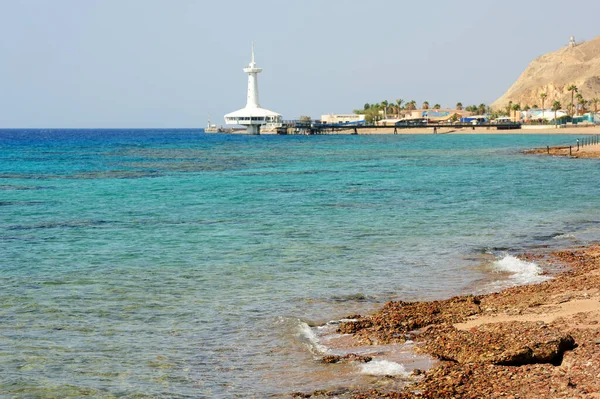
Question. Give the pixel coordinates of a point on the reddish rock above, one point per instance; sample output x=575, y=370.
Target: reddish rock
x=511, y=343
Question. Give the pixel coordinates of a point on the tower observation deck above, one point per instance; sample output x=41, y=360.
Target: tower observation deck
x=252, y=115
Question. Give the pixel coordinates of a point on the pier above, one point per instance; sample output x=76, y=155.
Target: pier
x=315, y=127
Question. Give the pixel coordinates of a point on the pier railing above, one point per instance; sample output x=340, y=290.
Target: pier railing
x=587, y=141
x=580, y=143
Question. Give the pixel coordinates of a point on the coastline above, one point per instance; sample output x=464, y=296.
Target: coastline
x=573, y=130
x=535, y=341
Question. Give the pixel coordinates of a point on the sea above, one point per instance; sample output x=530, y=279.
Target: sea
x=141, y=263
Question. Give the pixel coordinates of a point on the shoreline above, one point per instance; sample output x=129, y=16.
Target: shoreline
x=570, y=130
x=536, y=341
x=581, y=130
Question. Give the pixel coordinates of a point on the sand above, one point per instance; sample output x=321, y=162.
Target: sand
x=548, y=314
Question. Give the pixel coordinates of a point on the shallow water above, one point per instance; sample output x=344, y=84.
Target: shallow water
x=140, y=263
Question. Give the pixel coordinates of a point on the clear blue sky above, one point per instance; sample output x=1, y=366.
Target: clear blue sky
x=169, y=63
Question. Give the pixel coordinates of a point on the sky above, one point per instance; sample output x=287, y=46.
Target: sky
x=171, y=63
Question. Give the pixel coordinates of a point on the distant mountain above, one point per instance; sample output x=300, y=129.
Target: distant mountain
x=553, y=73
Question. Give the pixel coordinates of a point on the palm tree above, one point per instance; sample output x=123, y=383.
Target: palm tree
x=516, y=108
x=572, y=89
x=426, y=105
x=375, y=108
x=543, y=97
x=581, y=101
x=555, y=107
x=481, y=109
x=437, y=106
x=399, y=106
x=384, y=104
x=595, y=102
x=509, y=107
x=459, y=106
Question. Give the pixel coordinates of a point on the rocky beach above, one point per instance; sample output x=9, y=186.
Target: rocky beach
x=532, y=341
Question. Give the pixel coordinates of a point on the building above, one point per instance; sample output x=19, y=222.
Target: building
x=435, y=113
x=253, y=116
x=331, y=119
x=541, y=114
x=572, y=42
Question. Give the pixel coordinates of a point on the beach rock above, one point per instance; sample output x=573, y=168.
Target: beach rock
x=301, y=395
x=502, y=360
x=331, y=359
x=479, y=380
x=351, y=327
x=351, y=357
x=385, y=395
x=396, y=319
x=511, y=343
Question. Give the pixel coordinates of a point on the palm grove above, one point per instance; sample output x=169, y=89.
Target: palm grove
x=397, y=109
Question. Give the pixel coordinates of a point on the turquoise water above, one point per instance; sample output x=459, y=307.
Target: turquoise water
x=140, y=263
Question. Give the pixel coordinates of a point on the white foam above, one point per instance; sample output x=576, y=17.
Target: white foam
x=383, y=367
x=315, y=343
x=521, y=272
x=334, y=323
x=565, y=237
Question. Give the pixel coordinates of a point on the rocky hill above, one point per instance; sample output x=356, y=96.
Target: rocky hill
x=554, y=72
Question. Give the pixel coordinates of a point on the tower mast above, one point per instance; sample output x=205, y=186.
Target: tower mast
x=252, y=70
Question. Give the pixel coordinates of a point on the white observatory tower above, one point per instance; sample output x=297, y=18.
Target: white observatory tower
x=253, y=116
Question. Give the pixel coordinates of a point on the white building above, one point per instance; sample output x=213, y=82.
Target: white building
x=342, y=118
x=252, y=115
x=547, y=114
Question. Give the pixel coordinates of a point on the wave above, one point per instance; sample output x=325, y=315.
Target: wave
x=564, y=237
x=383, y=367
x=520, y=272
x=314, y=342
